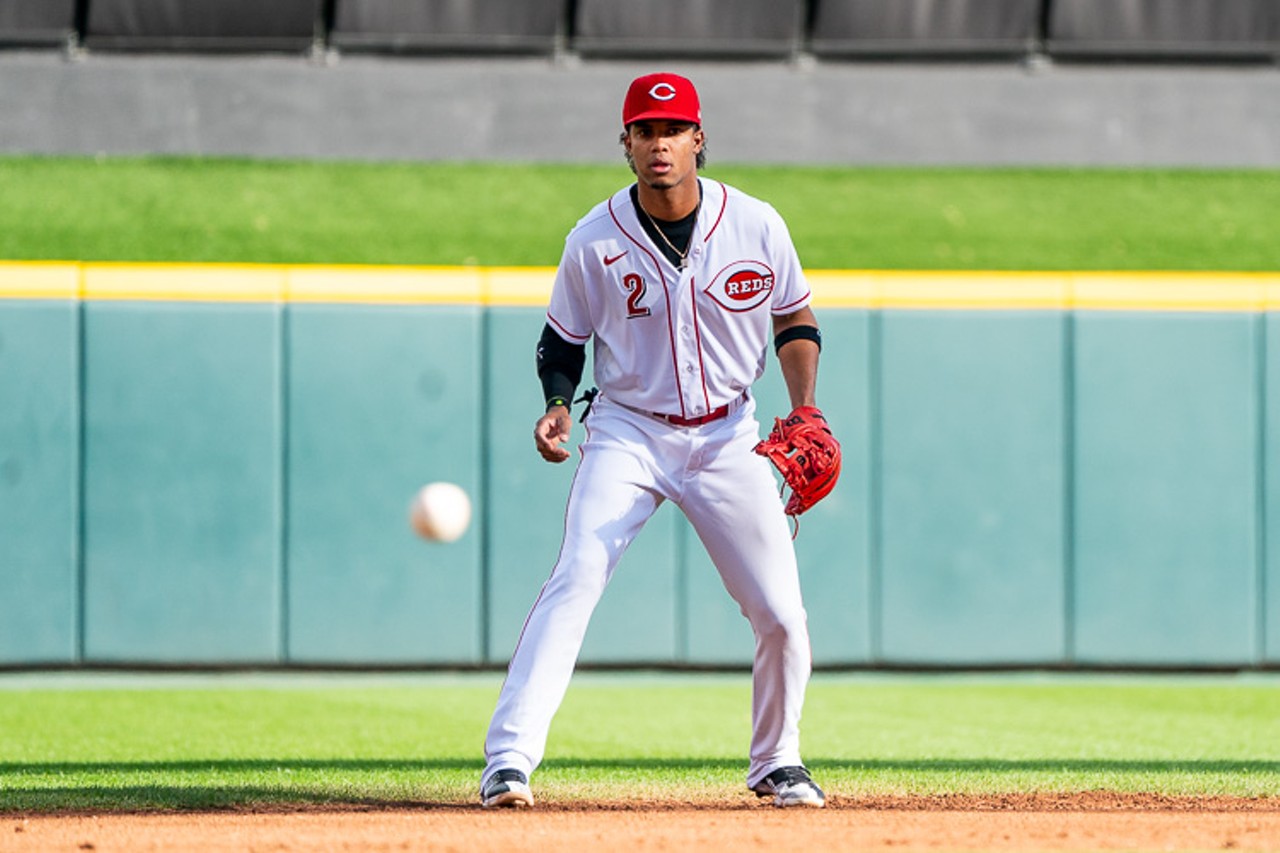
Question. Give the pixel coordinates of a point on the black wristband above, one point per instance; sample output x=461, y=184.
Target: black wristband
x=557, y=386
x=552, y=402
x=797, y=333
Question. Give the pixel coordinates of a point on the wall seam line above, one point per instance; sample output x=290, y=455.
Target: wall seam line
x=486, y=472
x=282, y=498
x=875, y=423
x=1069, y=487
x=1261, y=509
x=79, y=478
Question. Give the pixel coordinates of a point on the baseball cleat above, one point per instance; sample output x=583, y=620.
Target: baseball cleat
x=791, y=786
x=507, y=789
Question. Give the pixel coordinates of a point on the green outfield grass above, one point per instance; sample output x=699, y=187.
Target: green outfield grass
x=169, y=209
x=188, y=743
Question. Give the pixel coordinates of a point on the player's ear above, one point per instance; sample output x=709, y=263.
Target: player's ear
x=699, y=139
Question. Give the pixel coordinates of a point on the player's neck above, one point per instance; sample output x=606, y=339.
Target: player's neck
x=670, y=203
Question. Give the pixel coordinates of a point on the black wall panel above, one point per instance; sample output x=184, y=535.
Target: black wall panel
x=36, y=21
x=1174, y=30
x=852, y=27
x=688, y=27
x=1166, y=28
x=512, y=25
x=196, y=24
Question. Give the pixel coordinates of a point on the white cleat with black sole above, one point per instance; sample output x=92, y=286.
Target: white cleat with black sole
x=506, y=789
x=791, y=786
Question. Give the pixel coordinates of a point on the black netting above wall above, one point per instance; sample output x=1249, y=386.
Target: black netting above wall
x=36, y=21
x=1165, y=28
x=948, y=27
x=196, y=24
x=1168, y=30
x=491, y=25
x=688, y=27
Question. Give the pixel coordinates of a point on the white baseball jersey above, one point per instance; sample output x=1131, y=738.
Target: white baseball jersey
x=685, y=342
x=680, y=341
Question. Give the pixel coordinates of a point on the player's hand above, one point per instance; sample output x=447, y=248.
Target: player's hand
x=551, y=431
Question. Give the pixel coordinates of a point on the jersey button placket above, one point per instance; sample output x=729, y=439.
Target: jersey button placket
x=694, y=398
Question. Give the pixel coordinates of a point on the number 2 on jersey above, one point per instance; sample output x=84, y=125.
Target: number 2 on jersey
x=635, y=288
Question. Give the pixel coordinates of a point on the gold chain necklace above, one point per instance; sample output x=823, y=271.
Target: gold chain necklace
x=684, y=256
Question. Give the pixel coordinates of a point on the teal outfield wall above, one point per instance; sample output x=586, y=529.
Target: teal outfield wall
x=227, y=483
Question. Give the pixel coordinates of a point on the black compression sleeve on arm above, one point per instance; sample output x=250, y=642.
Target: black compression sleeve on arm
x=559, y=367
x=797, y=333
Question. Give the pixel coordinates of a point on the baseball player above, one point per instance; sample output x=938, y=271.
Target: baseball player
x=683, y=283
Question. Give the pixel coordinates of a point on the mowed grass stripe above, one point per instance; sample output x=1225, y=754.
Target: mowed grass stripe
x=630, y=738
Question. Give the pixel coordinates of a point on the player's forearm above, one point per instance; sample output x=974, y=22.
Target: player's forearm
x=799, y=362
x=798, y=343
x=559, y=367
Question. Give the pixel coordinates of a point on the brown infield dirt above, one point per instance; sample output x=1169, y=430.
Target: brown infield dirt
x=1086, y=821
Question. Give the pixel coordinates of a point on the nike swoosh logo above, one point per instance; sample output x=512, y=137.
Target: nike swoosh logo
x=608, y=261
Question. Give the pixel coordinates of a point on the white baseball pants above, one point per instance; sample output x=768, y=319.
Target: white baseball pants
x=630, y=463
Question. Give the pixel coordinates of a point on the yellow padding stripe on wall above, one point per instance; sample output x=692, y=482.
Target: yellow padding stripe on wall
x=531, y=286
x=39, y=281
x=1132, y=291
x=270, y=283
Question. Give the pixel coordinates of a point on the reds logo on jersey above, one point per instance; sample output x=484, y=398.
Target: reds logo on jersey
x=742, y=286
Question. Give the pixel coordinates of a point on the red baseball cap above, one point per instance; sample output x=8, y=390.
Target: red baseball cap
x=661, y=96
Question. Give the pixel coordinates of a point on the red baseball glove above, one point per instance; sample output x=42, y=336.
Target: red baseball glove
x=803, y=449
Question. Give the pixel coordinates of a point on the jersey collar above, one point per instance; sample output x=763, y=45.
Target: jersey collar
x=715, y=198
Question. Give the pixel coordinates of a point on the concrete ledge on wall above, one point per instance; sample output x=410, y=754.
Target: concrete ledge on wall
x=368, y=109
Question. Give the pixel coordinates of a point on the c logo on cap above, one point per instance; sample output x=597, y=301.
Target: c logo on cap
x=662, y=92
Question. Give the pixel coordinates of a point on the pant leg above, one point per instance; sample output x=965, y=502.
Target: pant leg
x=609, y=502
x=734, y=506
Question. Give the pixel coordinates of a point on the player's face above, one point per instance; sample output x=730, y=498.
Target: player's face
x=664, y=153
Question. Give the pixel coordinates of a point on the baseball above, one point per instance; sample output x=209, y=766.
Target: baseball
x=440, y=512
